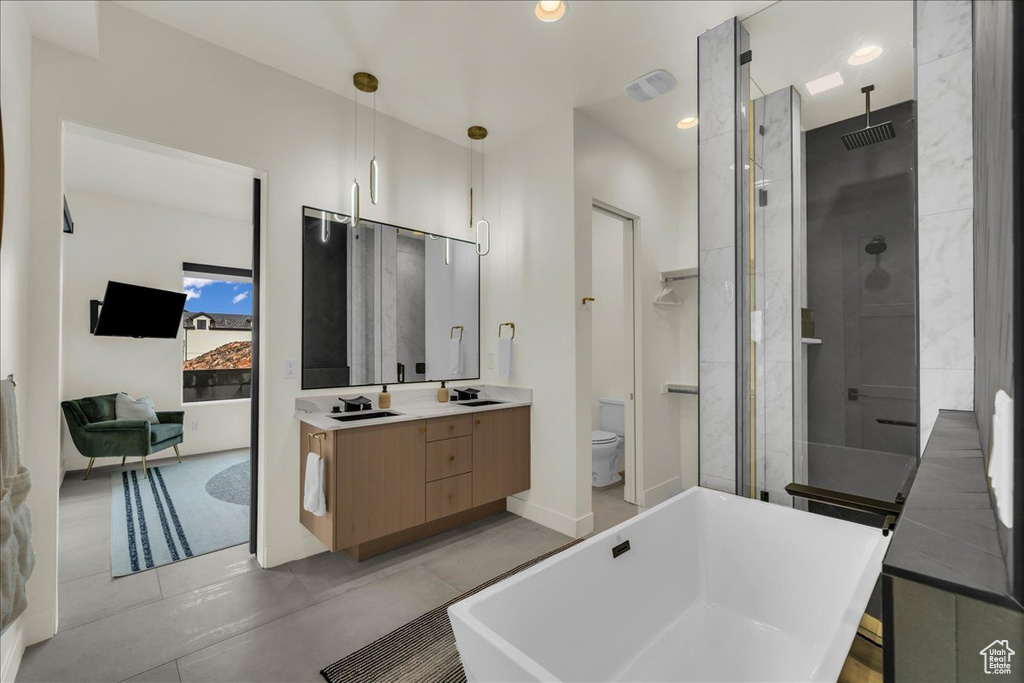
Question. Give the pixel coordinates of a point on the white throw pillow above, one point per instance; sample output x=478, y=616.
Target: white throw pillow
x=128, y=408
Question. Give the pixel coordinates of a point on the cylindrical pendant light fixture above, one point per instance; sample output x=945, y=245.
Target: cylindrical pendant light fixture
x=363, y=82
x=482, y=226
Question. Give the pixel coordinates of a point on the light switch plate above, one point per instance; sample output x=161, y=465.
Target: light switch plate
x=490, y=361
x=291, y=369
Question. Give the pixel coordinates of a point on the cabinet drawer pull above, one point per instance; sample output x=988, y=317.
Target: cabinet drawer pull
x=423, y=430
x=451, y=427
x=478, y=421
x=451, y=496
x=451, y=458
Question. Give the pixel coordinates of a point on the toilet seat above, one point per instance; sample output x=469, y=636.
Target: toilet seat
x=598, y=437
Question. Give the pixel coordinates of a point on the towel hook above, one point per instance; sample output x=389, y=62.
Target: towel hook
x=319, y=436
x=451, y=335
x=512, y=325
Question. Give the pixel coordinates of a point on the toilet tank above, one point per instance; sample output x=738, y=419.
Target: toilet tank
x=612, y=415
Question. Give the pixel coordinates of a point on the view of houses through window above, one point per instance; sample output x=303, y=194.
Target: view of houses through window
x=217, y=334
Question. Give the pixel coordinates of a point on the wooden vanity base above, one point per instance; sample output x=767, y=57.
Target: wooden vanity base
x=377, y=546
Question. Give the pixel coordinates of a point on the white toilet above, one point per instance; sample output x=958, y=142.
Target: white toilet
x=607, y=443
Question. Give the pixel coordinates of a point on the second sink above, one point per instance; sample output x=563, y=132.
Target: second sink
x=479, y=402
x=363, y=415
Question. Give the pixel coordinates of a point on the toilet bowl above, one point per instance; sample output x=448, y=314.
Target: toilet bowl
x=605, y=448
x=607, y=443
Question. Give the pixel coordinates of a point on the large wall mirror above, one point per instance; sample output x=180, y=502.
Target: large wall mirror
x=386, y=305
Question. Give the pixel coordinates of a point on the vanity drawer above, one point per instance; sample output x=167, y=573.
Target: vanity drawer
x=449, y=457
x=448, y=496
x=449, y=427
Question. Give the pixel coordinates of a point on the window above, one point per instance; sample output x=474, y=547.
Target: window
x=217, y=333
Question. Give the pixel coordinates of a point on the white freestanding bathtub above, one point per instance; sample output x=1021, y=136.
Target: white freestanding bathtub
x=714, y=587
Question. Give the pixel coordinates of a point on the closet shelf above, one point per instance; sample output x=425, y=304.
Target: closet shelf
x=810, y=340
x=670, y=276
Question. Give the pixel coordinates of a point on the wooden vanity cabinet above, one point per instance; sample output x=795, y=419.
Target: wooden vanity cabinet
x=392, y=484
x=501, y=454
x=380, y=481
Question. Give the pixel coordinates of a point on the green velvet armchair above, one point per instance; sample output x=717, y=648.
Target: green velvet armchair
x=97, y=434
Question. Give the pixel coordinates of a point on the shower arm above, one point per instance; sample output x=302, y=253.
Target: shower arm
x=867, y=104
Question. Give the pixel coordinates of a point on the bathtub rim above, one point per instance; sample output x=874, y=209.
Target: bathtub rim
x=830, y=662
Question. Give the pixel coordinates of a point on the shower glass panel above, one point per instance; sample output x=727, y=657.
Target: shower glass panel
x=830, y=255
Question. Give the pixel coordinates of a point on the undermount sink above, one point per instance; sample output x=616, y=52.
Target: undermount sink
x=478, y=402
x=364, y=415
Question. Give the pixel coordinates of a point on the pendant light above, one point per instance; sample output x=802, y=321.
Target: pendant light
x=367, y=83
x=478, y=133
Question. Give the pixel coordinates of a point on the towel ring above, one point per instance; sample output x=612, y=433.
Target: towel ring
x=512, y=325
x=319, y=440
x=451, y=335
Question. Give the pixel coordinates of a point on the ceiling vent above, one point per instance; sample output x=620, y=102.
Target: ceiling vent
x=649, y=86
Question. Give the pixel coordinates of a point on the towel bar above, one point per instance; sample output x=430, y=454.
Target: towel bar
x=451, y=335
x=512, y=325
x=309, y=443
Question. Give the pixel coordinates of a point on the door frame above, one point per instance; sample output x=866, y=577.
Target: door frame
x=634, y=480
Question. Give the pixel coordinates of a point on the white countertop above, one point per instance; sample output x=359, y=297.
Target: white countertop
x=409, y=404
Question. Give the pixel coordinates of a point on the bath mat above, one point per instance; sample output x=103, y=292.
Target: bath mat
x=180, y=511
x=422, y=650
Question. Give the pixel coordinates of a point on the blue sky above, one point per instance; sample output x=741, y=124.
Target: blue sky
x=215, y=296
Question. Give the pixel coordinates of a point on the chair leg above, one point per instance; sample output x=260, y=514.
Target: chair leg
x=123, y=458
x=145, y=473
x=89, y=468
x=177, y=452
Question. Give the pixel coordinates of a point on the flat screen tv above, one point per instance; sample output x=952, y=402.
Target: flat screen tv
x=134, y=311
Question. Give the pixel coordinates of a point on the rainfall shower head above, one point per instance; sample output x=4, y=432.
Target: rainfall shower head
x=876, y=246
x=869, y=135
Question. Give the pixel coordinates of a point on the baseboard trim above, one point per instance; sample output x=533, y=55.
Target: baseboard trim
x=13, y=650
x=40, y=626
x=563, y=524
x=662, y=492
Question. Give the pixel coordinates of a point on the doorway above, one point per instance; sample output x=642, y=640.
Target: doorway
x=616, y=477
x=163, y=221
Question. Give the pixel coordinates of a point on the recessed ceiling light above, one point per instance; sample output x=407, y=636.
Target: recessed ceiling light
x=688, y=122
x=820, y=85
x=864, y=55
x=550, y=10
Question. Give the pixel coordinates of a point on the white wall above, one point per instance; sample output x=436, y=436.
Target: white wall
x=143, y=244
x=609, y=364
x=612, y=170
x=528, y=279
x=159, y=84
x=15, y=91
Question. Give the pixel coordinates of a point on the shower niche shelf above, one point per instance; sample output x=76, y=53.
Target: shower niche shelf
x=810, y=340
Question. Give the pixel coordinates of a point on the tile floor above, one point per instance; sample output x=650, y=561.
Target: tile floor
x=219, y=617
x=610, y=508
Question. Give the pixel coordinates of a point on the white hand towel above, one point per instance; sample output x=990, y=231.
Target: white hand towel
x=313, y=499
x=1000, y=463
x=505, y=361
x=455, y=358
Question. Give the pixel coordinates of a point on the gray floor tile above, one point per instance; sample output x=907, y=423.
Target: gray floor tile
x=167, y=673
x=196, y=572
x=330, y=574
x=469, y=563
x=296, y=647
x=95, y=597
x=132, y=642
x=610, y=508
x=83, y=560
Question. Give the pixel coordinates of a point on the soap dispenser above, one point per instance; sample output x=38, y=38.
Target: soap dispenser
x=442, y=394
x=384, y=399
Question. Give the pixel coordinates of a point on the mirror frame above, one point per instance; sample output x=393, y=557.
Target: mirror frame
x=427, y=234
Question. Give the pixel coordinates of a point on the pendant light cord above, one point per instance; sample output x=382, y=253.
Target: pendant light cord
x=355, y=130
x=374, y=124
x=483, y=178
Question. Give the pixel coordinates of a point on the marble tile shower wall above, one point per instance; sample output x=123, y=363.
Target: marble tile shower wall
x=718, y=55
x=945, y=182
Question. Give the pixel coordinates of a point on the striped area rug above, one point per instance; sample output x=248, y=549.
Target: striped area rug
x=181, y=510
x=422, y=650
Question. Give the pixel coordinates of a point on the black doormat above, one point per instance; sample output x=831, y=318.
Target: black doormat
x=422, y=650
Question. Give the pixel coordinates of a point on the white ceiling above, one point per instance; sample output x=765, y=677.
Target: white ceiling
x=107, y=163
x=797, y=42
x=444, y=65
x=70, y=24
